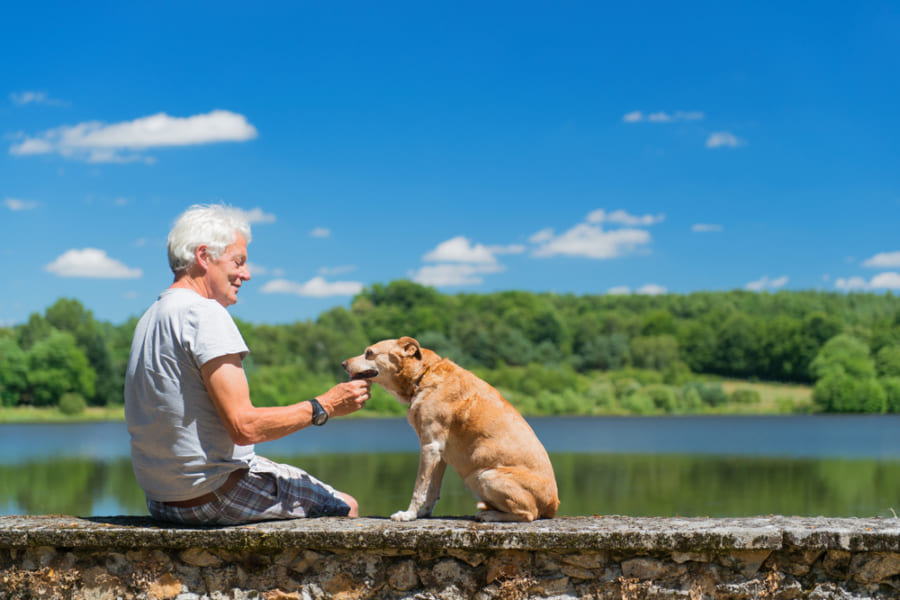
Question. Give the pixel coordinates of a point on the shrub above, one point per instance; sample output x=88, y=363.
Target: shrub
x=745, y=396
x=626, y=386
x=710, y=394
x=664, y=397
x=839, y=392
x=891, y=387
x=602, y=397
x=72, y=404
x=638, y=403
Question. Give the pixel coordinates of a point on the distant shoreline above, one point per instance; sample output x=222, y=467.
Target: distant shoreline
x=774, y=399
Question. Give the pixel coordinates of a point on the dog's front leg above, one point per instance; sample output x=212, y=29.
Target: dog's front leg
x=428, y=484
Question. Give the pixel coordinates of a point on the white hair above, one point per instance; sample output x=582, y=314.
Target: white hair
x=215, y=225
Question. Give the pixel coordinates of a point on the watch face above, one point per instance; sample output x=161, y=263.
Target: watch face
x=320, y=416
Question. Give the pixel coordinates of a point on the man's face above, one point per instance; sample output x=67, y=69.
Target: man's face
x=226, y=274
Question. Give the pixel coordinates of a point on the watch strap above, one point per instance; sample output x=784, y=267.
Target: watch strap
x=320, y=415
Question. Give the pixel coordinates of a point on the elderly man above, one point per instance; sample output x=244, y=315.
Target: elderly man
x=187, y=402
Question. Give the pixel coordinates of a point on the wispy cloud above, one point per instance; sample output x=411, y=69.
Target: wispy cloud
x=123, y=142
x=320, y=232
x=15, y=204
x=766, y=283
x=449, y=274
x=705, y=228
x=650, y=289
x=638, y=116
x=883, y=260
x=888, y=280
x=317, y=287
x=591, y=240
x=91, y=263
x=257, y=216
x=723, y=139
x=339, y=270
x=621, y=217
x=461, y=249
x=31, y=97
x=463, y=262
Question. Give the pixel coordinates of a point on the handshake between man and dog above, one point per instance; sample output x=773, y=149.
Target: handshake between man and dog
x=464, y=422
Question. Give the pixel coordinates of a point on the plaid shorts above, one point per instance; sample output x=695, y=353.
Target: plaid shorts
x=268, y=491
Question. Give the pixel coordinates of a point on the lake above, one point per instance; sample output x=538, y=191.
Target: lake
x=641, y=466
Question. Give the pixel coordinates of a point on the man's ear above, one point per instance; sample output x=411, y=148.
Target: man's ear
x=201, y=256
x=410, y=347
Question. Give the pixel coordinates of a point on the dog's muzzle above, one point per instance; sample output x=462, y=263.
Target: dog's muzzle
x=367, y=374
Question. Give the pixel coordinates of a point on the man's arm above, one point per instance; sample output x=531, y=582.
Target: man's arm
x=226, y=383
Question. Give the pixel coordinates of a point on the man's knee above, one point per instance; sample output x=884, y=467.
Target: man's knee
x=352, y=503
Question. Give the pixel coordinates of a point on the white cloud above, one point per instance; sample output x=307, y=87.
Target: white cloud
x=460, y=249
x=91, y=263
x=723, y=139
x=337, y=270
x=320, y=232
x=541, y=236
x=889, y=280
x=593, y=242
x=885, y=281
x=317, y=287
x=257, y=215
x=30, y=97
x=454, y=274
x=621, y=217
x=462, y=262
x=851, y=283
x=663, y=117
x=15, y=204
x=883, y=260
x=98, y=142
x=651, y=289
x=705, y=227
x=766, y=283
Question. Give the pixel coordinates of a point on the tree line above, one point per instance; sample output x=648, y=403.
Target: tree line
x=547, y=352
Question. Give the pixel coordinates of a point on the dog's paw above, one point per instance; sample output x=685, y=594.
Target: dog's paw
x=404, y=515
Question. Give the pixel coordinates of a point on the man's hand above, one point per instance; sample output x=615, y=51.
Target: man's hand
x=346, y=397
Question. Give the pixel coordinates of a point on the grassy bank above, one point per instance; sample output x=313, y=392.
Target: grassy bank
x=30, y=414
x=764, y=399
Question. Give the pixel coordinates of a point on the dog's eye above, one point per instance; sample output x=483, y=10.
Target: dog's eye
x=369, y=355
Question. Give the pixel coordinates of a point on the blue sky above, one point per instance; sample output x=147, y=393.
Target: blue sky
x=569, y=147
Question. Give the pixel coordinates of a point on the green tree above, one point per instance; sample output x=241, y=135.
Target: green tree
x=887, y=361
x=844, y=354
x=13, y=372
x=654, y=352
x=55, y=366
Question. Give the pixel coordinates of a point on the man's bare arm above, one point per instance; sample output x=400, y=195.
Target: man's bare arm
x=226, y=383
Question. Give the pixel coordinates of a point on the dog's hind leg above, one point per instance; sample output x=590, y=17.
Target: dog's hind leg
x=504, y=497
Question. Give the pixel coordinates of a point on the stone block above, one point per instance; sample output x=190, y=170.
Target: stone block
x=402, y=575
x=200, y=557
x=874, y=567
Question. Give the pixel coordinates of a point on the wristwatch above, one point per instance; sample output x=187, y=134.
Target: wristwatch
x=320, y=417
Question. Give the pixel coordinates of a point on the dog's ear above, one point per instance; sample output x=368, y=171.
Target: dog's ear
x=410, y=347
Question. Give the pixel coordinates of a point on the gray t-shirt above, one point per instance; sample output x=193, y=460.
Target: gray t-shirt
x=179, y=446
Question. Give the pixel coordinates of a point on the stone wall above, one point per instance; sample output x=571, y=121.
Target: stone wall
x=346, y=559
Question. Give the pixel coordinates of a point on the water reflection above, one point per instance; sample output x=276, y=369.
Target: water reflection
x=625, y=484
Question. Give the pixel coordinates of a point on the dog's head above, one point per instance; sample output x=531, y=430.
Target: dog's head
x=396, y=365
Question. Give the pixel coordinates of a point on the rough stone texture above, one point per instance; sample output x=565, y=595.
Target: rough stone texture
x=600, y=558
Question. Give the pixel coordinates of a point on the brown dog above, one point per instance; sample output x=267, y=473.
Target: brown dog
x=464, y=422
